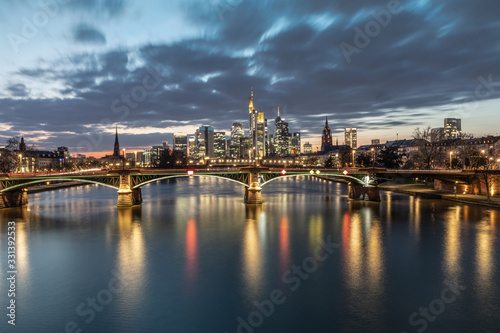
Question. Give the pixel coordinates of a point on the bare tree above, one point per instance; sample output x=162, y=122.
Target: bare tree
x=468, y=154
x=428, y=154
x=8, y=157
x=487, y=166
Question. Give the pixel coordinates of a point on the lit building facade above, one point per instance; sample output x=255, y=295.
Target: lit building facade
x=204, y=142
x=180, y=143
x=351, y=137
x=220, y=144
x=191, y=146
x=237, y=132
x=253, y=115
x=295, y=146
x=281, y=137
x=452, y=128
x=261, y=135
x=308, y=148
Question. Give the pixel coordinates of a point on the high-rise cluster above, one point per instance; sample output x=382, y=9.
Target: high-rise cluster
x=206, y=142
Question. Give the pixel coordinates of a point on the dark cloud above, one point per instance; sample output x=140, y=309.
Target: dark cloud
x=18, y=90
x=428, y=56
x=84, y=33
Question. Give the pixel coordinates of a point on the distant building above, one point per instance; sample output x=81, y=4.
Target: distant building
x=308, y=148
x=237, y=132
x=64, y=152
x=281, y=136
x=204, y=141
x=261, y=135
x=375, y=141
x=152, y=155
x=351, y=137
x=49, y=160
x=452, y=128
x=181, y=143
x=245, y=146
x=253, y=114
x=220, y=144
x=191, y=146
x=326, y=138
x=271, y=145
x=437, y=133
x=296, y=143
x=237, y=135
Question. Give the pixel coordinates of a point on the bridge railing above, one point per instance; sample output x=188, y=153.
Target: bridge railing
x=52, y=174
x=444, y=171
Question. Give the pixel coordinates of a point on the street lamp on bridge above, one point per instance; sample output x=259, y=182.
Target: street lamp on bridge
x=451, y=154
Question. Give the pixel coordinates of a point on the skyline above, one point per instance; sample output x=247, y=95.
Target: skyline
x=191, y=63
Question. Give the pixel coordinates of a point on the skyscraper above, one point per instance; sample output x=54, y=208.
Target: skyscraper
x=326, y=138
x=452, y=128
x=261, y=129
x=180, y=143
x=237, y=132
x=296, y=143
x=204, y=141
x=351, y=137
x=192, y=146
x=281, y=136
x=237, y=136
x=220, y=144
x=253, y=114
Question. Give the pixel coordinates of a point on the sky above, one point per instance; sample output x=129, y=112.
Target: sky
x=71, y=71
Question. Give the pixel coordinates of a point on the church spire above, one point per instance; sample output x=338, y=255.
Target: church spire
x=116, y=150
x=326, y=139
x=22, y=145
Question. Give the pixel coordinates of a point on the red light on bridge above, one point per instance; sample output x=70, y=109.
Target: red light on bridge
x=190, y=172
x=346, y=172
x=283, y=172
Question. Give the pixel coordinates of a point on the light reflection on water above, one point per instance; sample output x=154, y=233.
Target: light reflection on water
x=198, y=258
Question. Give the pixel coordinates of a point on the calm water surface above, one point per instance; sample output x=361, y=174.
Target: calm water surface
x=194, y=258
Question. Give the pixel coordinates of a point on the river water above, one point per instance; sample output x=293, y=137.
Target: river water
x=195, y=258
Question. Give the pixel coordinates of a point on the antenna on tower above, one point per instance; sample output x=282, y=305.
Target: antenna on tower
x=278, y=111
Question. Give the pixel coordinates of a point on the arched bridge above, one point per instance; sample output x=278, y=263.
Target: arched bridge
x=129, y=182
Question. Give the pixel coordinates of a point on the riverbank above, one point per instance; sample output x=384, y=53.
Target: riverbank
x=427, y=192
x=50, y=187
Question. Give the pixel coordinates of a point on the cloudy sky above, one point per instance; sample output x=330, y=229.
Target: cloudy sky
x=72, y=70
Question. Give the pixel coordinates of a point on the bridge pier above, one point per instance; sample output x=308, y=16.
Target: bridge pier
x=253, y=194
x=127, y=196
x=16, y=198
x=358, y=190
